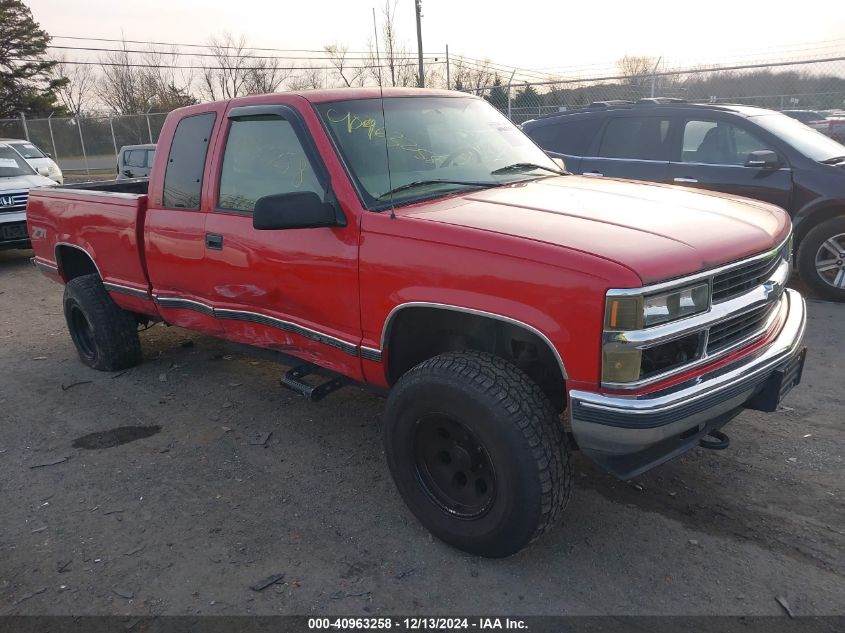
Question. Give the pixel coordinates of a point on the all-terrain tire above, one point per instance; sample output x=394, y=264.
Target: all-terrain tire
x=824, y=283
x=470, y=418
x=105, y=335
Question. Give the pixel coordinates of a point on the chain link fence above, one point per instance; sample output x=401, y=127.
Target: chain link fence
x=817, y=85
x=83, y=146
x=86, y=146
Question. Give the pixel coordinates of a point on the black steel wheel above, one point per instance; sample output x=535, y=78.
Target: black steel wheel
x=477, y=452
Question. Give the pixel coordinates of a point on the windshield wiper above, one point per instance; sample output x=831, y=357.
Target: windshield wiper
x=419, y=183
x=526, y=167
x=832, y=161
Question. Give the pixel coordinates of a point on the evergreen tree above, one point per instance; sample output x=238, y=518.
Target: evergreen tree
x=528, y=97
x=498, y=97
x=25, y=82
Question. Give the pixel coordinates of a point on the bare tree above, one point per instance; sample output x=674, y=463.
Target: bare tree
x=473, y=77
x=77, y=94
x=235, y=70
x=309, y=77
x=393, y=62
x=636, y=69
x=350, y=74
x=132, y=85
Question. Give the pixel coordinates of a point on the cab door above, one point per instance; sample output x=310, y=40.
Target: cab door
x=292, y=290
x=713, y=154
x=174, y=226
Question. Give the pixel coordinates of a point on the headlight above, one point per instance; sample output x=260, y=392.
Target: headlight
x=636, y=313
x=622, y=363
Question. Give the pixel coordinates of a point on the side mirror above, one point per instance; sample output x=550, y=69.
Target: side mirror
x=297, y=210
x=763, y=159
x=127, y=173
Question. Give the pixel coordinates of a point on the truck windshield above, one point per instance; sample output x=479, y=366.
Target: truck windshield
x=11, y=164
x=814, y=145
x=440, y=143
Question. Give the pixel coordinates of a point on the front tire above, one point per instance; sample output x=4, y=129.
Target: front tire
x=821, y=259
x=477, y=452
x=105, y=335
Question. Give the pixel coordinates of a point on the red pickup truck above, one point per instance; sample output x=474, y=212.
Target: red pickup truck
x=419, y=243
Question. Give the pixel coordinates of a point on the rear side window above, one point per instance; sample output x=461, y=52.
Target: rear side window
x=566, y=137
x=643, y=138
x=183, y=177
x=263, y=157
x=150, y=155
x=136, y=158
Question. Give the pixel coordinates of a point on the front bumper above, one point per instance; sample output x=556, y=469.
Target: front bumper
x=628, y=435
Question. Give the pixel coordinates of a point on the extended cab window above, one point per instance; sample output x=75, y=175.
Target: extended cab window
x=718, y=143
x=263, y=157
x=643, y=138
x=183, y=178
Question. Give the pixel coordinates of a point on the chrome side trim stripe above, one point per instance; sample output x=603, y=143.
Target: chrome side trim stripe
x=45, y=266
x=369, y=353
x=262, y=319
x=126, y=290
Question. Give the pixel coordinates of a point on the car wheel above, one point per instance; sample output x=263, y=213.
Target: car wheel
x=105, y=335
x=477, y=452
x=821, y=259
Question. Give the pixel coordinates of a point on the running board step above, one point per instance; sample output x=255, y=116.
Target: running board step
x=293, y=379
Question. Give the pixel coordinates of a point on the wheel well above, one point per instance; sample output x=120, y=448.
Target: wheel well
x=74, y=262
x=418, y=333
x=815, y=218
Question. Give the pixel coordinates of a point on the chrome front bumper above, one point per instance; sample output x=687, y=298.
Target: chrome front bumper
x=628, y=435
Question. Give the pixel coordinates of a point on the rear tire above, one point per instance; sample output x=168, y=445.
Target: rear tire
x=477, y=452
x=105, y=335
x=822, y=269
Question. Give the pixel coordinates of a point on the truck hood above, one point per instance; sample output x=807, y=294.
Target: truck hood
x=18, y=183
x=658, y=231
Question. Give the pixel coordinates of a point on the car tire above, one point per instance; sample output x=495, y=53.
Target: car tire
x=105, y=335
x=818, y=266
x=477, y=452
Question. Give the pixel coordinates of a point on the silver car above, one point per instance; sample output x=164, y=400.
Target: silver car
x=16, y=179
x=39, y=160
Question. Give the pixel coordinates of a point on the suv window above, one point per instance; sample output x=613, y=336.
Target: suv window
x=718, y=143
x=566, y=137
x=643, y=138
x=263, y=156
x=136, y=158
x=183, y=178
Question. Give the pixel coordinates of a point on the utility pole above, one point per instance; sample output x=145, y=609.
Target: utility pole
x=418, y=5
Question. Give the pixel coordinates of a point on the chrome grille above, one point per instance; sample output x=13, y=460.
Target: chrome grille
x=743, y=278
x=739, y=328
x=13, y=202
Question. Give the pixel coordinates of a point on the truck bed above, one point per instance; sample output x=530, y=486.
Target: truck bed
x=103, y=220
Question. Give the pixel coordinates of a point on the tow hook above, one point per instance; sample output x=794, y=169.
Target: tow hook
x=721, y=443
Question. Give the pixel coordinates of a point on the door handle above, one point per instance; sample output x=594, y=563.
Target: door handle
x=214, y=241
x=592, y=173
x=686, y=179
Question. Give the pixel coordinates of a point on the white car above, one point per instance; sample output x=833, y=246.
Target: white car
x=16, y=179
x=39, y=160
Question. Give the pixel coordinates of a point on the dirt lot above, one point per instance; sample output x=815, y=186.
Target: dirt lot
x=184, y=520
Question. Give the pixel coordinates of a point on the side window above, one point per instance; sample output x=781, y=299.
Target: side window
x=150, y=155
x=263, y=156
x=136, y=158
x=570, y=137
x=643, y=138
x=183, y=177
x=718, y=143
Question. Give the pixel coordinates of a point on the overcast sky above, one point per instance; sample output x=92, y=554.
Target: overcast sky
x=560, y=34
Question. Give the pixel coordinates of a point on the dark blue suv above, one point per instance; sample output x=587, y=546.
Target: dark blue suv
x=734, y=149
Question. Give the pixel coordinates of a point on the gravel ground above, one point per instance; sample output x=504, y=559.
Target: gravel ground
x=195, y=510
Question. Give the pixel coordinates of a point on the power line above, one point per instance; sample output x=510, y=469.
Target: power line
x=181, y=67
x=240, y=55
x=254, y=48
